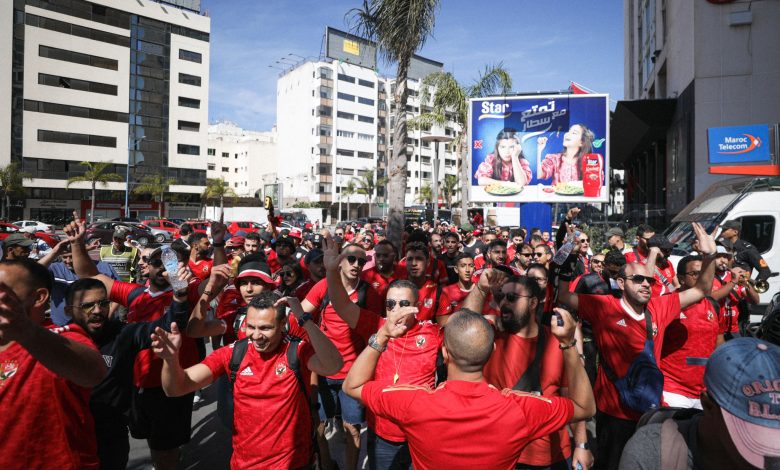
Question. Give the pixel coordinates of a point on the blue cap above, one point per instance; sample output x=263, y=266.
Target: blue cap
x=743, y=378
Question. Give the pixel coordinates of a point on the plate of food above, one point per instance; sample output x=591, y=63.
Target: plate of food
x=503, y=188
x=571, y=188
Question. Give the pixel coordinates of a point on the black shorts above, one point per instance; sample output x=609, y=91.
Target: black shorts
x=166, y=422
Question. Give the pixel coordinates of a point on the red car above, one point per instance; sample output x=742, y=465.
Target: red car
x=201, y=226
x=246, y=226
x=163, y=230
x=7, y=229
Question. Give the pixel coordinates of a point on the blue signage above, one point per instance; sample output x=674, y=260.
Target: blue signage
x=739, y=144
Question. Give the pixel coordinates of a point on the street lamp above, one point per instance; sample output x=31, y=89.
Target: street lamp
x=127, y=175
x=435, y=186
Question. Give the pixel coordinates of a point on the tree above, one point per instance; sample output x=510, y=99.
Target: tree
x=11, y=183
x=348, y=191
x=426, y=194
x=96, y=174
x=155, y=186
x=400, y=28
x=449, y=188
x=217, y=188
x=366, y=184
x=450, y=102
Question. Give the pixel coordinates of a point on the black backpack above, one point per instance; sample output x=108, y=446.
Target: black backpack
x=362, y=289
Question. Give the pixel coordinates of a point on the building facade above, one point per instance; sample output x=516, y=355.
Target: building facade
x=104, y=81
x=246, y=160
x=689, y=67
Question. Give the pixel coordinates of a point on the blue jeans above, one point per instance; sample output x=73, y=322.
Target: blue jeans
x=334, y=402
x=562, y=465
x=387, y=455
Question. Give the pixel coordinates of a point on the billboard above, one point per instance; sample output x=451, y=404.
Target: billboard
x=346, y=47
x=739, y=144
x=541, y=148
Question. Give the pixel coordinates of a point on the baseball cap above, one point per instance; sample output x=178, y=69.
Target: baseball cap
x=266, y=237
x=120, y=232
x=251, y=267
x=660, y=241
x=467, y=227
x=17, y=239
x=725, y=243
x=316, y=239
x=614, y=232
x=236, y=241
x=313, y=255
x=743, y=377
x=732, y=224
x=742, y=265
x=722, y=250
x=295, y=233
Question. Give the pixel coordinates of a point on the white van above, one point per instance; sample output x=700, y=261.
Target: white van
x=755, y=202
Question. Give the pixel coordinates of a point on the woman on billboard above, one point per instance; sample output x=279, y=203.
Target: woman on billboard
x=506, y=163
x=565, y=166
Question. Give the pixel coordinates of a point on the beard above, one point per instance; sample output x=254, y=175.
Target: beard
x=513, y=321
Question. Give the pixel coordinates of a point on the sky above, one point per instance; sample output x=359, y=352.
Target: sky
x=544, y=44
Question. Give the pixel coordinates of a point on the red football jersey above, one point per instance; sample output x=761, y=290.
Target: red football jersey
x=452, y=298
x=379, y=282
x=202, y=268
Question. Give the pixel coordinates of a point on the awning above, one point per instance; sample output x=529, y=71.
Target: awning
x=636, y=124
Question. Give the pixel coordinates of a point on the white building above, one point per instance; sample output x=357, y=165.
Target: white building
x=244, y=159
x=124, y=82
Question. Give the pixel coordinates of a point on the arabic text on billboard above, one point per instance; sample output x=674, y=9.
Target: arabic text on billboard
x=551, y=148
x=739, y=144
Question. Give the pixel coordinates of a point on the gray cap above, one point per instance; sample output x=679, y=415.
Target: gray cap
x=121, y=232
x=18, y=239
x=614, y=231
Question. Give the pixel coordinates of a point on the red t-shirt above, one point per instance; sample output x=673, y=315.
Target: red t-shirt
x=229, y=302
x=350, y=342
x=452, y=298
x=426, y=301
x=148, y=306
x=273, y=261
x=508, y=363
x=271, y=420
x=201, y=268
x=413, y=358
x=461, y=423
x=729, y=313
x=667, y=273
x=46, y=419
x=381, y=283
x=689, y=341
x=303, y=290
x=620, y=337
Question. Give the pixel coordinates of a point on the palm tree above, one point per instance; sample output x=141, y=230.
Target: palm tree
x=400, y=28
x=449, y=188
x=367, y=184
x=348, y=191
x=95, y=174
x=11, y=182
x=218, y=188
x=450, y=101
x=155, y=186
x=426, y=194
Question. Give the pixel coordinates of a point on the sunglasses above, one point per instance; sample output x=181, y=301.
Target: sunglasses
x=286, y=273
x=510, y=297
x=101, y=304
x=352, y=259
x=153, y=262
x=536, y=255
x=584, y=240
x=639, y=279
x=391, y=303
x=693, y=273
x=596, y=262
x=525, y=254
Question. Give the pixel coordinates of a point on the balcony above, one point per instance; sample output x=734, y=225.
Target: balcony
x=326, y=159
x=381, y=148
x=382, y=113
x=325, y=140
x=326, y=102
x=326, y=121
x=326, y=198
x=325, y=81
x=326, y=178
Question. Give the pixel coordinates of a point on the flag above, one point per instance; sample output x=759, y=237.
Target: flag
x=577, y=89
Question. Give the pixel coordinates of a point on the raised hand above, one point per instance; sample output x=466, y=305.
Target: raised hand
x=331, y=257
x=491, y=279
x=397, y=323
x=220, y=275
x=76, y=230
x=565, y=332
x=541, y=142
x=218, y=230
x=166, y=345
x=706, y=240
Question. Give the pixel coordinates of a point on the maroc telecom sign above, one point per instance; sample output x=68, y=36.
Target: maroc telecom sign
x=739, y=144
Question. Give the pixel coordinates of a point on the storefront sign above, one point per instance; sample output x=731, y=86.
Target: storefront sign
x=739, y=144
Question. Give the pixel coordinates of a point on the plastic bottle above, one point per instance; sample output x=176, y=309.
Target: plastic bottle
x=565, y=250
x=171, y=263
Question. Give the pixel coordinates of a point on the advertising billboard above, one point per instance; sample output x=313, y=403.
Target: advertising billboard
x=541, y=148
x=739, y=144
x=340, y=45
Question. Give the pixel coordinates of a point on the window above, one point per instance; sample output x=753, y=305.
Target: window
x=365, y=155
x=346, y=78
x=75, y=30
x=190, y=126
x=225, y=169
x=212, y=166
x=76, y=139
x=367, y=119
x=188, y=79
x=344, y=115
x=345, y=171
x=345, y=153
x=76, y=84
x=77, y=58
x=184, y=149
x=346, y=97
x=759, y=229
x=190, y=56
x=74, y=111
x=212, y=152
x=366, y=83
x=346, y=134
x=367, y=101
x=189, y=102
x=366, y=137
x=225, y=155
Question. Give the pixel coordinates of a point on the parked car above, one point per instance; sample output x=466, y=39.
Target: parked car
x=39, y=226
x=201, y=226
x=246, y=226
x=163, y=230
x=7, y=229
x=104, y=231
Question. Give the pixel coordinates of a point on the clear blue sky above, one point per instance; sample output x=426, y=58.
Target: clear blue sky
x=543, y=43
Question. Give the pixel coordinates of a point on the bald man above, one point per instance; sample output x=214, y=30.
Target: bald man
x=499, y=423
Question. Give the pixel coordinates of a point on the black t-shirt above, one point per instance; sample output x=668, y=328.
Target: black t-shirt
x=449, y=263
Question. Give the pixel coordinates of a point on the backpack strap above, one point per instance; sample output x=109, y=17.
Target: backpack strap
x=239, y=351
x=674, y=448
x=530, y=380
x=134, y=294
x=362, y=290
x=295, y=364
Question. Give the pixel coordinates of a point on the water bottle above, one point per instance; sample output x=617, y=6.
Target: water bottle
x=171, y=263
x=565, y=250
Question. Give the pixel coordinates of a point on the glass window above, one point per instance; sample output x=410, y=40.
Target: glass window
x=184, y=149
x=188, y=79
x=189, y=102
x=212, y=166
x=346, y=78
x=367, y=101
x=190, y=56
x=346, y=97
x=758, y=230
x=365, y=119
x=366, y=83
x=344, y=115
x=345, y=153
x=211, y=152
x=190, y=126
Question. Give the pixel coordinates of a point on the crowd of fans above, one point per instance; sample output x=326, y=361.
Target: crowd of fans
x=471, y=346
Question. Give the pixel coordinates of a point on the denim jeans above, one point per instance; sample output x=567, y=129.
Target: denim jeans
x=387, y=455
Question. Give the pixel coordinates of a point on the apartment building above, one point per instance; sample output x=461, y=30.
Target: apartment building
x=245, y=159
x=122, y=82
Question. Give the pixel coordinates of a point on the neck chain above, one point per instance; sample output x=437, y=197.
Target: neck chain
x=397, y=364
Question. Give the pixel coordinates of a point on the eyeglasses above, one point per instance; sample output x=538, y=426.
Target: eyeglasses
x=153, y=262
x=638, y=279
x=536, y=255
x=391, y=303
x=693, y=273
x=525, y=254
x=286, y=273
x=596, y=262
x=511, y=297
x=351, y=259
x=101, y=304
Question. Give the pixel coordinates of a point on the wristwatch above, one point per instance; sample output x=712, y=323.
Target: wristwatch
x=561, y=345
x=583, y=445
x=374, y=344
x=304, y=318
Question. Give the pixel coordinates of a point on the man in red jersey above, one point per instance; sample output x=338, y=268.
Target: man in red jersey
x=729, y=288
x=200, y=263
x=417, y=261
x=453, y=295
x=316, y=270
x=385, y=269
x=494, y=256
x=528, y=358
x=279, y=437
x=620, y=332
x=689, y=342
x=470, y=420
x=46, y=375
